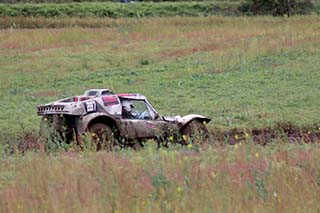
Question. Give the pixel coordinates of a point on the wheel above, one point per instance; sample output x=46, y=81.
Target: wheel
x=102, y=136
x=195, y=132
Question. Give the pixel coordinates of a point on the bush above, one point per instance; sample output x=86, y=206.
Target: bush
x=117, y=10
x=278, y=7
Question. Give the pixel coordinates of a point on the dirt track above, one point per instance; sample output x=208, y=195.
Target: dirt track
x=280, y=132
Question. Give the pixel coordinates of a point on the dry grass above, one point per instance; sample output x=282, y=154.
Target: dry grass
x=165, y=39
x=239, y=178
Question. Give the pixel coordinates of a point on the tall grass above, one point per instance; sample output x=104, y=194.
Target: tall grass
x=240, y=178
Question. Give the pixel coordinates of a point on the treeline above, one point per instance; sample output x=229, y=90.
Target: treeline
x=146, y=9
x=77, y=1
x=74, y=1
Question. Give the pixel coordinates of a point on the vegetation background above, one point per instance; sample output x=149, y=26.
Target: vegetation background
x=244, y=72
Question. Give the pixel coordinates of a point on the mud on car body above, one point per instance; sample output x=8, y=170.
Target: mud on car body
x=117, y=118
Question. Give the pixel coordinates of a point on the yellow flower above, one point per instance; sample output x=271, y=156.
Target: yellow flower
x=171, y=138
x=179, y=189
x=204, y=122
x=247, y=135
x=185, y=137
x=45, y=119
x=257, y=155
x=189, y=146
x=236, y=137
x=236, y=146
x=93, y=134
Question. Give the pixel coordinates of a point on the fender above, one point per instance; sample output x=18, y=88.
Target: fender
x=83, y=122
x=188, y=118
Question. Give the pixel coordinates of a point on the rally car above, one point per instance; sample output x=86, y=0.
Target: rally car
x=118, y=119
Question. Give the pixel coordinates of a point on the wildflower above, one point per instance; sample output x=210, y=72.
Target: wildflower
x=204, y=122
x=179, y=189
x=93, y=134
x=45, y=119
x=275, y=194
x=190, y=146
x=185, y=138
x=257, y=155
x=61, y=115
x=309, y=132
x=236, y=146
x=236, y=137
x=213, y=175
x=247, y=135
x=171, y=138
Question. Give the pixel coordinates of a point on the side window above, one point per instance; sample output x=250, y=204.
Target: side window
x=105, y=92
x=135, y=109
x=92, y=93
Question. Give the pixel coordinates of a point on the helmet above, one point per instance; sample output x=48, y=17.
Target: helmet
x=127, y=105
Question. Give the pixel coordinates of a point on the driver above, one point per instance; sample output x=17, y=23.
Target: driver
x=127, y=109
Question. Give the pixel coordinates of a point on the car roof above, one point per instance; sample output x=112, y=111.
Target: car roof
x=135, y=96
x=99, y=90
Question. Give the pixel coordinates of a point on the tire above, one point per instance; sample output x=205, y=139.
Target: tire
x=195, y=132
x=102, y=136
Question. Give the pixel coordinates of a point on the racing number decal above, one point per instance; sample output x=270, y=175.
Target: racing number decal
x=91, y=106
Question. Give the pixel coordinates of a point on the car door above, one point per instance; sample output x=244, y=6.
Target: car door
x=141, y=122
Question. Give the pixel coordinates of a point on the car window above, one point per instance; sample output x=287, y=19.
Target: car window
x=92, y=93
x=135, y=109
x=106, y=92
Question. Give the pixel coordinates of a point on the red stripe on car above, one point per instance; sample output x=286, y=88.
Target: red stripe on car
x=110, y=100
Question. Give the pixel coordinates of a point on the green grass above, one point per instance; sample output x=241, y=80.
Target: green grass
x=241, y=72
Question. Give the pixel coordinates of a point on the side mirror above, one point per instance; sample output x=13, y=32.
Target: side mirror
x=157, y=116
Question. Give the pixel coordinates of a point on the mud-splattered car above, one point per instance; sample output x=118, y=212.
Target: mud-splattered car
x=117, y=119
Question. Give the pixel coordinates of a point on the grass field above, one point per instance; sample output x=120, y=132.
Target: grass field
x=244, y=72
x=241, y=72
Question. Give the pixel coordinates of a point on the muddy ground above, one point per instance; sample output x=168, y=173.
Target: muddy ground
x=280, y=132
x=285, y=133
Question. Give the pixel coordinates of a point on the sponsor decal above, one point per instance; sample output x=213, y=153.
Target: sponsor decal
x=91, y=106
